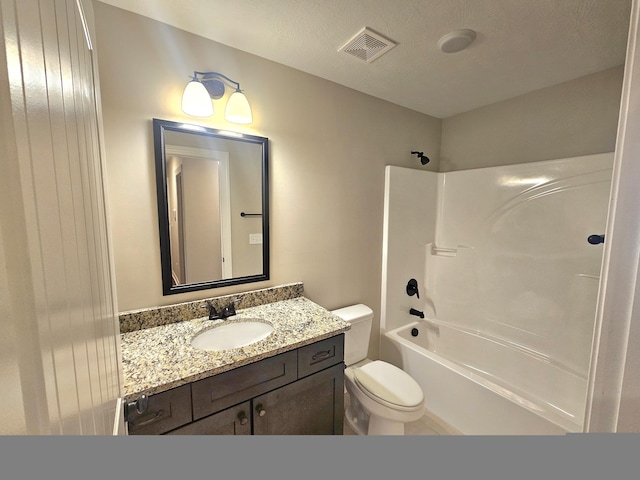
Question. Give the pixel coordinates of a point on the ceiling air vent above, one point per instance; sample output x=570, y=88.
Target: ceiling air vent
x=367, y=45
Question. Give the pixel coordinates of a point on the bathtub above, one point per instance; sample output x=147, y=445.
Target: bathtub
x=486, y=386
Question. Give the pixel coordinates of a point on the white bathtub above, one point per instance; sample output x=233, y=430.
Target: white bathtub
x=484, y=386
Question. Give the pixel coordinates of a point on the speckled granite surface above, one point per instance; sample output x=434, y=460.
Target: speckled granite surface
x=153, y=317
x=159, y=358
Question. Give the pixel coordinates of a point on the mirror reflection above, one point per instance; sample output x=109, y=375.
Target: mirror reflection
x=212, y=206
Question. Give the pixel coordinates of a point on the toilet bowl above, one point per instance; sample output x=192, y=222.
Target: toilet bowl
x=382, y=397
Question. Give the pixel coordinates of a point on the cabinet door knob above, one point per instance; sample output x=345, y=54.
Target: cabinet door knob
x=243, y=418
x=261, y=411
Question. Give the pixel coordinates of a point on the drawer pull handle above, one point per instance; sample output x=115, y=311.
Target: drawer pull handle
x=321, y=355
x=261, y=411
x=157, y=416
x=140, y=405
x=243, y=418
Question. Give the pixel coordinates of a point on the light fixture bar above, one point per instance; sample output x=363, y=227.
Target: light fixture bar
x=211, y=75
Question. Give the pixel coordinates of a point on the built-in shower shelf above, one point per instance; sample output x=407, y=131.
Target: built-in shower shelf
x=444, y=251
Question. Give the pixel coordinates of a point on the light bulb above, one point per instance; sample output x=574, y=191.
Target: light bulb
x=196, y=100
x=238, y=109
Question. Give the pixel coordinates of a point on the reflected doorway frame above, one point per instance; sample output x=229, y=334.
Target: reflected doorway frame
x=224, y=189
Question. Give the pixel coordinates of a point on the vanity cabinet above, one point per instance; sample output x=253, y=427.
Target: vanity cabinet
x=300, y=392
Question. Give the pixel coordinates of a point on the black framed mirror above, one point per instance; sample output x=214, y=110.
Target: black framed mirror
x=213, y=206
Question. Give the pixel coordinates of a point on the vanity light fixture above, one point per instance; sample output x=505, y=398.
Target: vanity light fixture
x=207, y=86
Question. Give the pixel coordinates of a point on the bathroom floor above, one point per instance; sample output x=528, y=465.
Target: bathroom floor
x=429, y=424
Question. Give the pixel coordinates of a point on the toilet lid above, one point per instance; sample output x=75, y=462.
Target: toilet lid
x=389, y=383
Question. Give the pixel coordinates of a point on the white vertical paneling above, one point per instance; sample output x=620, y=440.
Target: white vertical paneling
x=84, y=215
x=612, y=400
x=34, y=364
x=68, y=317
x=12, y=420
x=94, y=189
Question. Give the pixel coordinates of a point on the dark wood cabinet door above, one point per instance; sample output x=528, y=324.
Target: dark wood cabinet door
x=311, y=406
x=232, y=421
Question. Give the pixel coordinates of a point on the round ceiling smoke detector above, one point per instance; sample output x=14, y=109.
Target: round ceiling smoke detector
x=457, y=40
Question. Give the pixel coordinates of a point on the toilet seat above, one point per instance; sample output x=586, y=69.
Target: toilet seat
x=389, y=385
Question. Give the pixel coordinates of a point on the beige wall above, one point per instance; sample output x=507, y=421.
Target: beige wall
x=328, y=149
x=575, y=118
x=246, y=196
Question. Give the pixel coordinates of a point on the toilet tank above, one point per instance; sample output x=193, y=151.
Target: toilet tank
x=356, y=340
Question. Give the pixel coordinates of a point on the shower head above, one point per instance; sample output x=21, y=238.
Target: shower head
x=423, y=159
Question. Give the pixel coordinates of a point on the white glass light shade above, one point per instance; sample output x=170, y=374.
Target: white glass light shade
x=238, y=109
x=196, y=100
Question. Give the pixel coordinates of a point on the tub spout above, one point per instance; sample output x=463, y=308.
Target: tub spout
x=417, y=313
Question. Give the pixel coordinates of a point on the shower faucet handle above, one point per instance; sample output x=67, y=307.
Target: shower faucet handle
x=595, y=239
x=412, y=288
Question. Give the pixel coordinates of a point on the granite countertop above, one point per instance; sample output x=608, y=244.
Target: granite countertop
x=160, y=358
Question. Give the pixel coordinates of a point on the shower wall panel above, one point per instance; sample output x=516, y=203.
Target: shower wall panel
x=511, y=258
x=409, y=225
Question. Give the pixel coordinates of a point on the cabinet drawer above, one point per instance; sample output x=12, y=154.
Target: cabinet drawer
x=320, y=355
x=166, y=411
x=232, y=421
x=221, y=391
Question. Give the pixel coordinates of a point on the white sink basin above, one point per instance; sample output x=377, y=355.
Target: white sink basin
x=232, y=335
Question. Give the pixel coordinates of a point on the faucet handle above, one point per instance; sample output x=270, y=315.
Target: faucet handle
x=232, y=305
x=412, y=288
x=213, y=313
x=229, y=310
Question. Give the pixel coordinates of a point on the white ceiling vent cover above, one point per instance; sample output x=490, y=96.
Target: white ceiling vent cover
x=367, y=45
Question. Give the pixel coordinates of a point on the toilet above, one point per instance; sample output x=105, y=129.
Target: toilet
x=382, y=396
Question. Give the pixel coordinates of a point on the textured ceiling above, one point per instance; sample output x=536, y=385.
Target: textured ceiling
x=521, y=45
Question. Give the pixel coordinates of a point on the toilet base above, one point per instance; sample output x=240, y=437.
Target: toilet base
x=372, y=426
x=382, y=426
x=358, y=424
x=364, y=423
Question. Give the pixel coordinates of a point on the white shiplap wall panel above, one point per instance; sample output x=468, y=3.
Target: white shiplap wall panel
x=59, y=206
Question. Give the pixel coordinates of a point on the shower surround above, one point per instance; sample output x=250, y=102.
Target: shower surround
x=508, y=284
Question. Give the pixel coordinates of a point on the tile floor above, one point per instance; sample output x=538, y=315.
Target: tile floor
x=429, y=424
